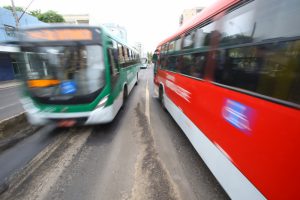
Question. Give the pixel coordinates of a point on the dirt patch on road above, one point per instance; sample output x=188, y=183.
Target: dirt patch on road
x=152, y=180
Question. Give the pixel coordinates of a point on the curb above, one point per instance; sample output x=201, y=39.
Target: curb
x=22, y=114
x=6, y=123
x=6, y=143
x=13, y=130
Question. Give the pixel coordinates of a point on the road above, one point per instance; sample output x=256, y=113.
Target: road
x=142, y=154
x=9, y=102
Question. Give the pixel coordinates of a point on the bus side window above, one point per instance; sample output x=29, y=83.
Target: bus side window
x=114, y=70
x=135, y=58
x=120, y=55
x=203, y=34
x=186, y=65
x=269, y=66
x=163, y=62
x=197, y=65
x=179, y=64
x=171, y=63
x=125, y=51
x=178, y=44
x=188, y=40
x=112, y=62
x=171, y=46
x=129, y=55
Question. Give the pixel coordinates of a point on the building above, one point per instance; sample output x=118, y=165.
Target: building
x=9, y=68
x=77, y=19
x=187, y=14
x=117, y=30
x=8, y=24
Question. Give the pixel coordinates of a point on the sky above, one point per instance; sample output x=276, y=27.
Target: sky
x=148, y=22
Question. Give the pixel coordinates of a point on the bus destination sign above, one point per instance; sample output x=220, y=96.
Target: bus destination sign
x=59, y=34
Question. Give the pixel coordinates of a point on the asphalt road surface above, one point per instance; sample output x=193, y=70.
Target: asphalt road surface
x=142, y=154
x=9, y=102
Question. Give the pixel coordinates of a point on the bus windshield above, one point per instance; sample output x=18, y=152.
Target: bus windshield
x=64, y=73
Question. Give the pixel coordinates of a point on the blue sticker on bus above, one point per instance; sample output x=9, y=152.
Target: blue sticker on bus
x=238, y=115
x=68, y=87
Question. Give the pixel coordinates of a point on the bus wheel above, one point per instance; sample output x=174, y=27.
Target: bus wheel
x=161, y=97
x=125, y=95
x=137, y=79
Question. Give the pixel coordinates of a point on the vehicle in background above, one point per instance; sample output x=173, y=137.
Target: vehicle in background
x=144, y=63
x=231, y=80
x=75, y=75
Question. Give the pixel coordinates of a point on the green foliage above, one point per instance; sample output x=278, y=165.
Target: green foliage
x=17, y=8
x=50, y=17
x=35, y=13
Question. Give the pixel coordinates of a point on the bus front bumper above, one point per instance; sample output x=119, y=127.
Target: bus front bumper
x=98, y=116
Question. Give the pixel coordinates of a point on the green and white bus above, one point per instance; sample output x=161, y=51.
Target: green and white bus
x=75, y=75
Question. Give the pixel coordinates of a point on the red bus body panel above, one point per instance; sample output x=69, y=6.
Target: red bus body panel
x=267, y=155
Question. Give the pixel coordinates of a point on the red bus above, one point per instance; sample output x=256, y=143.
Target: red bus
x=230, y=78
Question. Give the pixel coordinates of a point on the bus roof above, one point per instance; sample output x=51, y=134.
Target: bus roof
x=205, y=14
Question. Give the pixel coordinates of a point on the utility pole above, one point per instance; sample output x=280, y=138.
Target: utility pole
x=24, y=11
x=15, y=14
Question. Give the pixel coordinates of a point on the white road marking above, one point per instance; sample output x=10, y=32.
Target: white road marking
x=147, y=106
x=9, y=105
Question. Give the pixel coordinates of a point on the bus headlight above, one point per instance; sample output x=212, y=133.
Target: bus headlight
x=102, y=102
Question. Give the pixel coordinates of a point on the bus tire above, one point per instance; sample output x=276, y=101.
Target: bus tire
x=161, y=97
x=125, y=96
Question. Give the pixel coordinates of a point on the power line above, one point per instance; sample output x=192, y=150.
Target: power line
x=25, y=10
x=15, y=13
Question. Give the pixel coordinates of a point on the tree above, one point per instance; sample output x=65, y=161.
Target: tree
x=49, y=17
x=20, y=9
x=35, y=13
